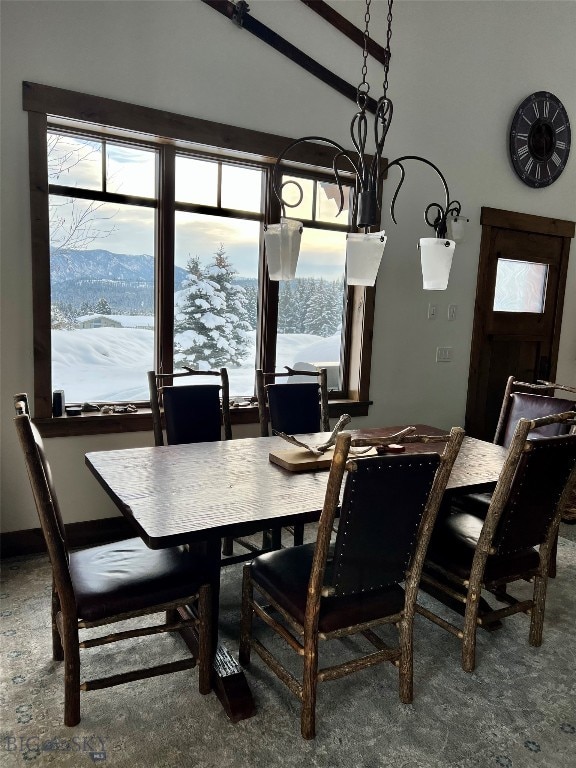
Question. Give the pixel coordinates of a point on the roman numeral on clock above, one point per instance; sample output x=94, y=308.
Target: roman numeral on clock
x=522, y=151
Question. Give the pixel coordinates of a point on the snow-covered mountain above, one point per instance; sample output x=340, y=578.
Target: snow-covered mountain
x=67, y=264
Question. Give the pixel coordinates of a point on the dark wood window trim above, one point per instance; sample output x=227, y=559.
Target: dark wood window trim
x=48, y=105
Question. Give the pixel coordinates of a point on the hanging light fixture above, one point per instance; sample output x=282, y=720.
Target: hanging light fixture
x=368, y=171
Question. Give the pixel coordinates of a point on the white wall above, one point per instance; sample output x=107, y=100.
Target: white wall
x=459, y=69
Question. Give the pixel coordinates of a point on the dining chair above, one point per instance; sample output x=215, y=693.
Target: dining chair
x=293, y=408
x=469, y=555
x=521, y=400
x=323, y=592
x=195, y=413
x=101, y=585
x=530, y=401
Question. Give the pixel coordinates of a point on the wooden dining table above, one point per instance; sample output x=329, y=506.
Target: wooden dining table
x=198, y=493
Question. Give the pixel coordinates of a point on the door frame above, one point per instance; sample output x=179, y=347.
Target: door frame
x=491, y=219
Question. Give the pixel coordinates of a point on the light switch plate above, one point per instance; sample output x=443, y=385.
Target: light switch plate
x=443, y=354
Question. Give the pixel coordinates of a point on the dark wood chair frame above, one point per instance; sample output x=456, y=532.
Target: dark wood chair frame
x=66, y=622
x=303, y=638
x=452, y=589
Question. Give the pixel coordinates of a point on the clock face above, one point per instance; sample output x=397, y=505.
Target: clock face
x=540, y=139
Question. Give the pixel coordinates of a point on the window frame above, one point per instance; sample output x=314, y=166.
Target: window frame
x=49, y=107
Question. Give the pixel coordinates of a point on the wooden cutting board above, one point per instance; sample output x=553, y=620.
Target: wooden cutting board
x=299, y=460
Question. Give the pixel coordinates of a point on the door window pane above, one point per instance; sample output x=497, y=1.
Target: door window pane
x=520, y=286
x=310, y=307
x=102, y=300
x=215, y=296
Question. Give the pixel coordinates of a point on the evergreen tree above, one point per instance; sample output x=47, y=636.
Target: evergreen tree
x=212, y=323
x=102, y=307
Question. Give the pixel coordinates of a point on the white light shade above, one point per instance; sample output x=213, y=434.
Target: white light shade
x=363, y=257
x=457, y=227
x=283, y=248
x=436, y=255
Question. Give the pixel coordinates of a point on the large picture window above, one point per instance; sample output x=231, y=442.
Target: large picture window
x=153, y=248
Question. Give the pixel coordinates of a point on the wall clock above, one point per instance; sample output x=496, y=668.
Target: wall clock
x=540, y=139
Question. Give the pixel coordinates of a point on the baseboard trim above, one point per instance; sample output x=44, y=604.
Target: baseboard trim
x=90, y=532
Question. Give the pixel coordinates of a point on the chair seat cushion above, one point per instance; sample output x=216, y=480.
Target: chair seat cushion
x=285, y=574
x=127, y=576
x=454, y=542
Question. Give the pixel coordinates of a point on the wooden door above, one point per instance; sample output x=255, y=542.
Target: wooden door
x=518, y=310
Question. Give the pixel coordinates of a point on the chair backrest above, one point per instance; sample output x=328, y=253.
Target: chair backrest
x=192, y=413
x=530, y=401
x=536, y=482
x=387, y=513
x=46, y=503
x=294, y=408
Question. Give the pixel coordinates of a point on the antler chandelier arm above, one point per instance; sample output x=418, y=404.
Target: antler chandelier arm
x=439, y=224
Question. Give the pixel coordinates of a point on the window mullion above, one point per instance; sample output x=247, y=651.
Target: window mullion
x=165, y=232
x=104, y=165
x=268, y=289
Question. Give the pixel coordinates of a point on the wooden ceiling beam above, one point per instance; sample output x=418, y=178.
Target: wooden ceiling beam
x=347, y=28
x=241, y=16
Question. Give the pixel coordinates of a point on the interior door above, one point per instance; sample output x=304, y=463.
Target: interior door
x=518, y=310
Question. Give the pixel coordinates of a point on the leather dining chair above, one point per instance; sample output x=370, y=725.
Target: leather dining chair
x=469, y=555
x=193, y=413
x=321, y=591
x=293, y=408
x=101, y=585
x=521, y=400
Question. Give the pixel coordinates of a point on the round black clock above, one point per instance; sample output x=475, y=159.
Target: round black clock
x=540, y=139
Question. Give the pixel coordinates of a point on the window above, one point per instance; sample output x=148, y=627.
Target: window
x=520, y=286
x=148, y=253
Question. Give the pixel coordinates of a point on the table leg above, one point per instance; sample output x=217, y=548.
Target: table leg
x=229, y=680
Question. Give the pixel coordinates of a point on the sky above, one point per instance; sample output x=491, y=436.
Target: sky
x=130, y=229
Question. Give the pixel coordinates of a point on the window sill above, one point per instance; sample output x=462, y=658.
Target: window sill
x=101, y=424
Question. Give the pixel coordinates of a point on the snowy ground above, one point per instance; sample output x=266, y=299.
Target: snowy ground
x=110, y=364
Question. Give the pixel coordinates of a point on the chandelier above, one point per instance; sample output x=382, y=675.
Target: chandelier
x=364, y=247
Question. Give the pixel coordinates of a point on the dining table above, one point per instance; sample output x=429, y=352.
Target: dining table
x=198, y=493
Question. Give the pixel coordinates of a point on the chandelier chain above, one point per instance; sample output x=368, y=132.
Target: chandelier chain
x=388, y=38
x=364, y=87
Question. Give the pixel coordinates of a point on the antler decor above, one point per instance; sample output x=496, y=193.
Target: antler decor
x=405, y=435
x=319, y=449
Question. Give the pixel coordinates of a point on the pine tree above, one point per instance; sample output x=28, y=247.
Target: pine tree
x=212, y=323
x=102, y=307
